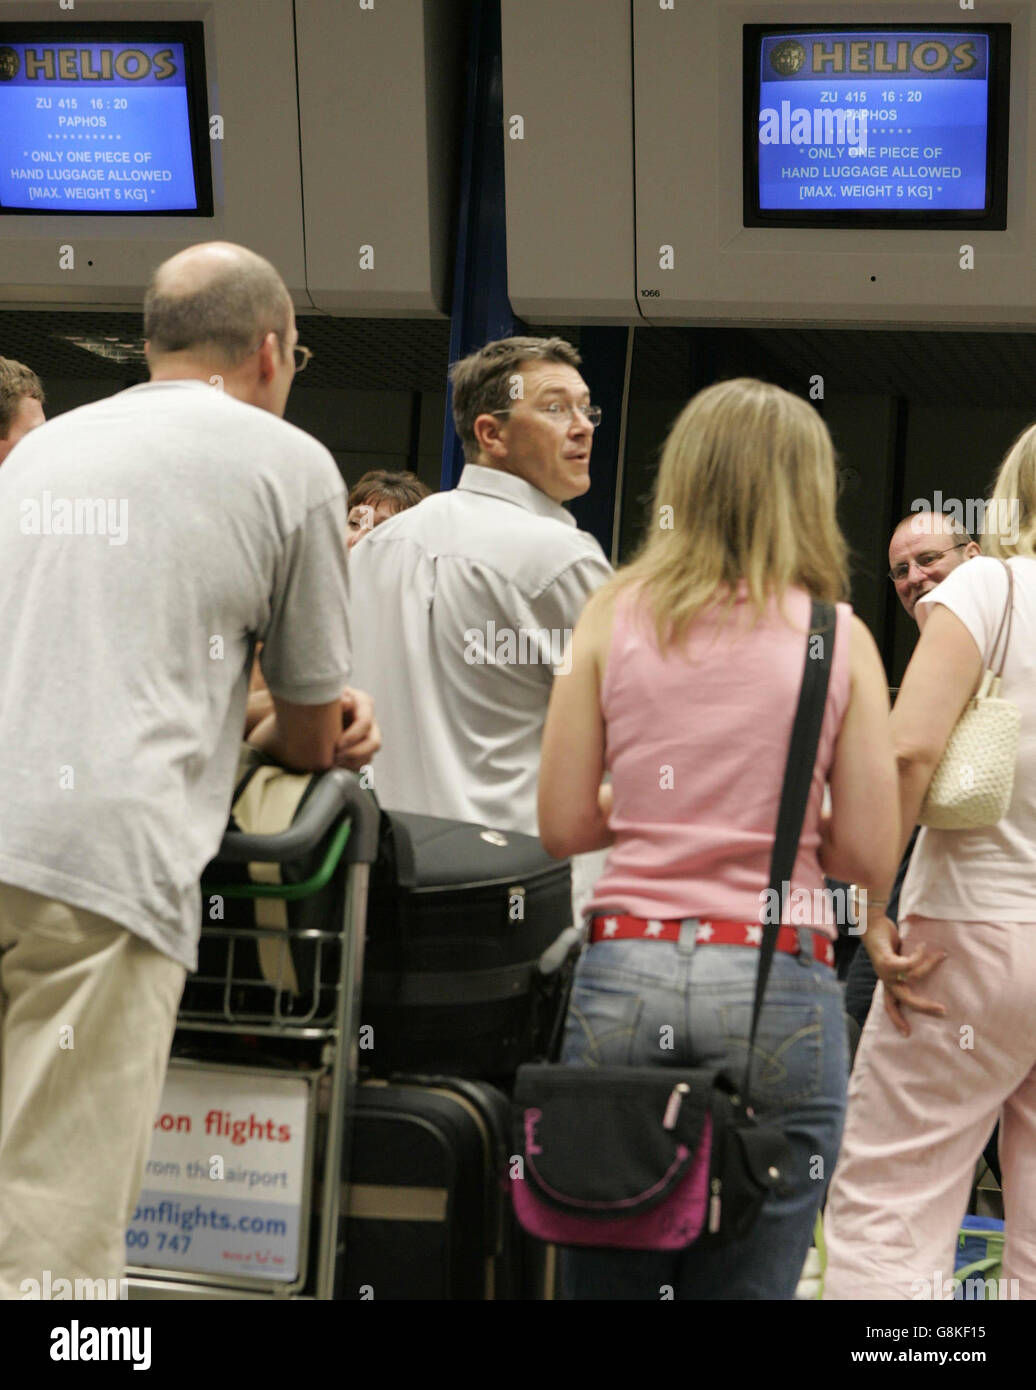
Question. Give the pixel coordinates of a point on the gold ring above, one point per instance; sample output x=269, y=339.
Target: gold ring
x=900, y=978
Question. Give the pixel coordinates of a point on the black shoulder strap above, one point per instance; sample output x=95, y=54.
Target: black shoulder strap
x=255, y=761
x=798, y=775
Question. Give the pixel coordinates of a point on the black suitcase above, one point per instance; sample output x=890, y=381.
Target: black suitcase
x=469, y=946
x=428, y=1211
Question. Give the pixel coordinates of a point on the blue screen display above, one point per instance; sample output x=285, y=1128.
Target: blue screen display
x=874, y=121
x=95, y=127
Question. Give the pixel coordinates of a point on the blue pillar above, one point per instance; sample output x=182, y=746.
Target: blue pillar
x=481, y=310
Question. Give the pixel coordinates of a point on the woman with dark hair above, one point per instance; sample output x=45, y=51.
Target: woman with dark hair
x=378, y=495
x=685, y=676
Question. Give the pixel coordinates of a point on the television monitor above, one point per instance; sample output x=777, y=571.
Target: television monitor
x=104, y=119
x=899, y=126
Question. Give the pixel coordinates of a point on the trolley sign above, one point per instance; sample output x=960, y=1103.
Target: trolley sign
x=227, y=1178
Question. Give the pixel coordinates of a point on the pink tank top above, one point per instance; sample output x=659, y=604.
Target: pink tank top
x=696, y=742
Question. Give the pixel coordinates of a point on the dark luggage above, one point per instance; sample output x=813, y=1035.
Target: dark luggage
x=428, y=1210
x=469, y=946
x=307, y=845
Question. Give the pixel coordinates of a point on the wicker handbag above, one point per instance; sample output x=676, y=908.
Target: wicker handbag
x=972, y=785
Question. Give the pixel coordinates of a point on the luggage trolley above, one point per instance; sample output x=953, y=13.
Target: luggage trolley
x=273, y=1015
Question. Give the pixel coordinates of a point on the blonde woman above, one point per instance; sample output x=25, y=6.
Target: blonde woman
x=950, y=1042
x=684, y=682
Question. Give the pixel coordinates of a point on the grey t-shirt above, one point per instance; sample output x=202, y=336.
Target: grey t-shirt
x=146, y=542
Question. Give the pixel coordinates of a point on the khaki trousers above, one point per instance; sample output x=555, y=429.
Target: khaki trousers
x=87, y=1012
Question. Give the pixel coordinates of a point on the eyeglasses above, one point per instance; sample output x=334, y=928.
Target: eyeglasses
x=300, y=355
x=923, y=562
x=556, y=411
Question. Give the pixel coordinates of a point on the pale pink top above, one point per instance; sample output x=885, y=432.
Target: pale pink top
x=989, y=874
x=696, y=742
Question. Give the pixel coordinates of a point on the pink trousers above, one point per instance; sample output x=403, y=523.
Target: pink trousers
x=921, y=1110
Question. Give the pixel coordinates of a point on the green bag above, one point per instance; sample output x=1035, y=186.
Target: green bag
x=980, y=1259
x=979, y=1263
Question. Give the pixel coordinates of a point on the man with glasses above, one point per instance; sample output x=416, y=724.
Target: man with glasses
x=123, y=686
x=924, y=549
x=466, y=603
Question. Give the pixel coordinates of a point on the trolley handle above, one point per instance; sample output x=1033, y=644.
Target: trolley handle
x=337, y=793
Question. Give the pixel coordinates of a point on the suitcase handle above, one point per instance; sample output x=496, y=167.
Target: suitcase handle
x=288, y=892
x=336, y=794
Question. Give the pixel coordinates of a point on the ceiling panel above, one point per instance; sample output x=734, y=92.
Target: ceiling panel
x=355, y=354
x=990, y=369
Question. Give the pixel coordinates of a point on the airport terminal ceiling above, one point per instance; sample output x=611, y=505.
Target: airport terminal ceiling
x=981, y=369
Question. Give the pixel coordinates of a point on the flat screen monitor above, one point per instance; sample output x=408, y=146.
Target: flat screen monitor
x=104, y=119
x=898, y=126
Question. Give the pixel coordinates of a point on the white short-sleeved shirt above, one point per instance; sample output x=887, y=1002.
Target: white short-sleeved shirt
x=987, y=874
x=460, y=607
x=147, y=542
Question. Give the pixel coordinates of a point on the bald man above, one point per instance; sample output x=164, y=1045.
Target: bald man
x=150, y=540
x=21, y=403
x=924, y=549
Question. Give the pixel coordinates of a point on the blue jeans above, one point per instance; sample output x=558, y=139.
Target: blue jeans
x=635, y=1003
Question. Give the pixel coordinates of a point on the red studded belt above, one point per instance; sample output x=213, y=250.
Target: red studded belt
x=709, y=933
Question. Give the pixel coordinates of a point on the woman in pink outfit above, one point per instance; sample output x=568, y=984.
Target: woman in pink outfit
x=950, y=1044
x=686, y=672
